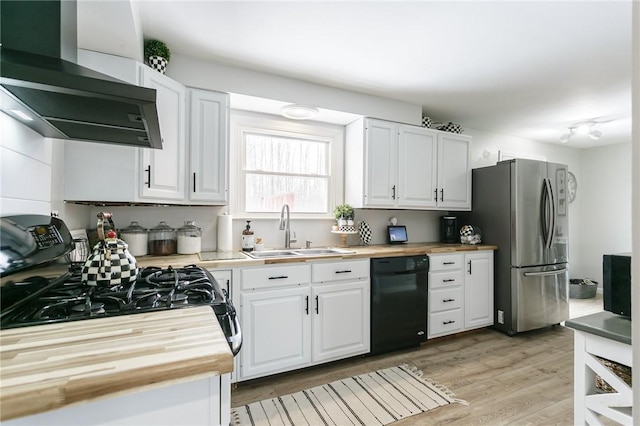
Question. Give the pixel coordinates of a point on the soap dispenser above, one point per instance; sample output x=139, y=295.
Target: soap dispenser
x=248, y=242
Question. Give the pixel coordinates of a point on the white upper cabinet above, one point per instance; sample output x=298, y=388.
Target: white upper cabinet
x=392, y=165
x=163, y=175
x=416, y=174
x=208, y=154
x=192, y=166
x=381, y=161
x=454, y=172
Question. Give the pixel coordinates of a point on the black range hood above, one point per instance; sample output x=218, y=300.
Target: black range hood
x=39, y=78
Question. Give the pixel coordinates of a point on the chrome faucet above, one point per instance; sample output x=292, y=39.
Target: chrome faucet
x=284, y=225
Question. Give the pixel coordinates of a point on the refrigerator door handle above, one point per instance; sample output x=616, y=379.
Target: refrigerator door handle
x=552, y=203
x=544, y=210
x=548, y=211
x=545, y=273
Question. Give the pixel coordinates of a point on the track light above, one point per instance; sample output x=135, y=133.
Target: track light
x=582, y=128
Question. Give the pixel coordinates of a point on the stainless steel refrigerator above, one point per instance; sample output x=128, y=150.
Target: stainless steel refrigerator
x=521, y=206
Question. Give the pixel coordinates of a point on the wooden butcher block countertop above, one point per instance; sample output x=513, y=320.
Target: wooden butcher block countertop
x=50, y=366
x=238, y=259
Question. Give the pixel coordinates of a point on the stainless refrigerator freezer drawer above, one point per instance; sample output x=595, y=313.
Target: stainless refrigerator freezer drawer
x=541, y=296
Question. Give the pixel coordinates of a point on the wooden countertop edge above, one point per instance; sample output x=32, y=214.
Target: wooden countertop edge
x=52, y=366
x=359, y=252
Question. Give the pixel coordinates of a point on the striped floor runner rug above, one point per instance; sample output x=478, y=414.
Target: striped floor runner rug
x=376, y=398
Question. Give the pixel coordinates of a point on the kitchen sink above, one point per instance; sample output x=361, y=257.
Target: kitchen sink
x=270, y=254
x=317, y=251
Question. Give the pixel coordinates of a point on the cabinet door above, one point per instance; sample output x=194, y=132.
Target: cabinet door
x=478, y=289
x=417, y=172
x=162, y=170
x=276, y=331
x=208, y=142
x=454, y=172
x=340, y=320
x=381, y=162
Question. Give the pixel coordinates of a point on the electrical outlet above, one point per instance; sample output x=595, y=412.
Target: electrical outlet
x=500, y=317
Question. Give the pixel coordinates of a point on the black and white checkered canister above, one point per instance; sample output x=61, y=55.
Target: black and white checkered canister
x=110, y=264
x=158, y=63
x=365, y=233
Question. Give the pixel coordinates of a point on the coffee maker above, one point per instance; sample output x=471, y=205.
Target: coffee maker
x=449, y=229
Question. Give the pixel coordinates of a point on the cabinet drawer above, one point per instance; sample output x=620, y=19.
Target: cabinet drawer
x=445, y=279
x=275, y=276
x=339, y=271
x=445, y=299
x=445, y=322
x=445, y=262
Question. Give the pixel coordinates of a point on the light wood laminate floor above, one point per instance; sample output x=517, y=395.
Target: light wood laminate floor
x=522, y=380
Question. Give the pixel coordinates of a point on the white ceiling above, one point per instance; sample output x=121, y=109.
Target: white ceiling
x=523, y=68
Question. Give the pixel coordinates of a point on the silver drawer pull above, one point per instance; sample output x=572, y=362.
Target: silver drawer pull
x=281, y=277
x=448, y=263
x=448, y=300
x=447, y=322
x=449, y=280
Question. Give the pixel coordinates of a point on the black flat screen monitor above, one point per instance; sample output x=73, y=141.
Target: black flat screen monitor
x=396, y=234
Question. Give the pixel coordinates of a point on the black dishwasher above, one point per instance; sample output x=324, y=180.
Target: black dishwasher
x=398, y=302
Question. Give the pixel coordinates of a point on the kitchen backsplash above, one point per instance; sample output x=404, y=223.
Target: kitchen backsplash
x=422, y=226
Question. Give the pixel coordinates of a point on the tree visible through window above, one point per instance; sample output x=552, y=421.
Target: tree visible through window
x=281, y=169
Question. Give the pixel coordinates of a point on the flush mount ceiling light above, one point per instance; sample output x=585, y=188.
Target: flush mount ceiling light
x=299, y=112
x=582, y=128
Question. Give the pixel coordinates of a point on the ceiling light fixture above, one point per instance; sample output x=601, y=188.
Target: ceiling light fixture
x=582, y=128
x=299, y=112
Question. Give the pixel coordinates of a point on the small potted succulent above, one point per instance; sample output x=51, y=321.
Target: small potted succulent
x=157, y=54
x=343, y=214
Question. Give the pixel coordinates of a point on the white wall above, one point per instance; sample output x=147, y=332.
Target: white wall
x=25, y=167
x=604, y=189
x=224, y=78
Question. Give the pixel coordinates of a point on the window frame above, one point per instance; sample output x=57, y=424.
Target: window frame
x=250, y=122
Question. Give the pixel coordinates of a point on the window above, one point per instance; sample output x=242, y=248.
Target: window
x=283, y=162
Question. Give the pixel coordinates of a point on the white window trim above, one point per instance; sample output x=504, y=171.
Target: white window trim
x=245, y=121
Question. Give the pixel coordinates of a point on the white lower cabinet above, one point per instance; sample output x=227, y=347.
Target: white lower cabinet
x=460, y=292
x=199, y=402
x=478, y=289
x=340, y=320
x=276, y=331
x=292, y=321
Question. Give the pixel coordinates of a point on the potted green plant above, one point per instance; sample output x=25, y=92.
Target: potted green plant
x=157, y=54
x=343, y=213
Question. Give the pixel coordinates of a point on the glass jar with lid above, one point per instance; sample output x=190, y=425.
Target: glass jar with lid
x=189, y=238
x=162, y=240
x=136, y=238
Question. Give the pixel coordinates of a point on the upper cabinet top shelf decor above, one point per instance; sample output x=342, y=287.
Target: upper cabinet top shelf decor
x=392, y=165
